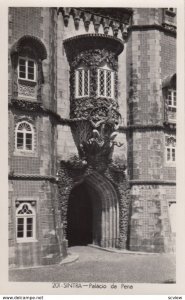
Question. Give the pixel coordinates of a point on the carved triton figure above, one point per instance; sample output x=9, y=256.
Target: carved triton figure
x=99, y=136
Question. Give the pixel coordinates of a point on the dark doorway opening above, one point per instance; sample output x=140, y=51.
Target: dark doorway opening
x=80, y=217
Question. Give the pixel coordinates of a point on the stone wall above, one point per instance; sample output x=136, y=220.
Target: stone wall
x=150, y=227
x=30, y=173
x=150, y=58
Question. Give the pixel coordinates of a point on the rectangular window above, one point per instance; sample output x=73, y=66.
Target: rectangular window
x=105, y=83
x=25, y=227
x=27, y=69
x=82, y=83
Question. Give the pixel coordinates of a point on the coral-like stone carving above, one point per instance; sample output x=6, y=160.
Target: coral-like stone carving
x=102, y=136
x=27, y=89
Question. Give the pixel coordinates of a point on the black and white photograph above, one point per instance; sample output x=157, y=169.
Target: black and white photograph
x=92, y=146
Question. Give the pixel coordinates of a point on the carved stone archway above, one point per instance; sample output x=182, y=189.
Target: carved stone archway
x=109, y=193
x=105, y=209
x=104, y=194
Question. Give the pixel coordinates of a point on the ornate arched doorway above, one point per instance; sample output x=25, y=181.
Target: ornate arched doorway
x=93, y=213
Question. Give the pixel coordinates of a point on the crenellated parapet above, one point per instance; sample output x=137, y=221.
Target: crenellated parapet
x=113, y=21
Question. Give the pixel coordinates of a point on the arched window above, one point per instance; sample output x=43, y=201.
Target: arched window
x=105, y=82
x=25, y=222
x=24, y=137
x=27, y=74
x=82, y=82
x=170, y=145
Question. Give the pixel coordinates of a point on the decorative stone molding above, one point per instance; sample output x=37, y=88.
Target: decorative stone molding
x=70, y=176
x=81, y=43
x=32, y=42
x=170, y=140
x=106, y=25
x=25, y=105
x=115, y=28
x=87, y=19
x=13, y=176
x=92, y=107
x=149, y=127
x=66, y=14
x=116, y=18
x=169, y=20
x=75, y=163
x=37, y=107
x=27, y=89
x=18, y=202
x=118, y=166
x=152, y=182
x=76, y=15
x=162, y=28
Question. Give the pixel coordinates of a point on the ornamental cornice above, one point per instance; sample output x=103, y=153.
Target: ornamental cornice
x=37, y=107
x=14, y=176
x=118, y=19
x=152, y=127
x=170, y=29
x=152, y=182
x=92, y=42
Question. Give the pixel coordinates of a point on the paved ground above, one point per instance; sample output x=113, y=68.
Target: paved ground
x=95, y=265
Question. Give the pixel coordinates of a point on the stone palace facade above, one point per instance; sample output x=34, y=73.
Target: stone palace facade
x=92, y=130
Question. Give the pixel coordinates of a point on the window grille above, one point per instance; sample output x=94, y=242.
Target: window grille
x=82, y=82
x=105, y=82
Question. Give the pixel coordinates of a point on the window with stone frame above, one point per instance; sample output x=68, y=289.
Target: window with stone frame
x=24, y=137
x=170, y=148
x=82, y=82
x=27, y=75
x=25, y=221
x=171, y=99
x=27, y=55
x=105, y=82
